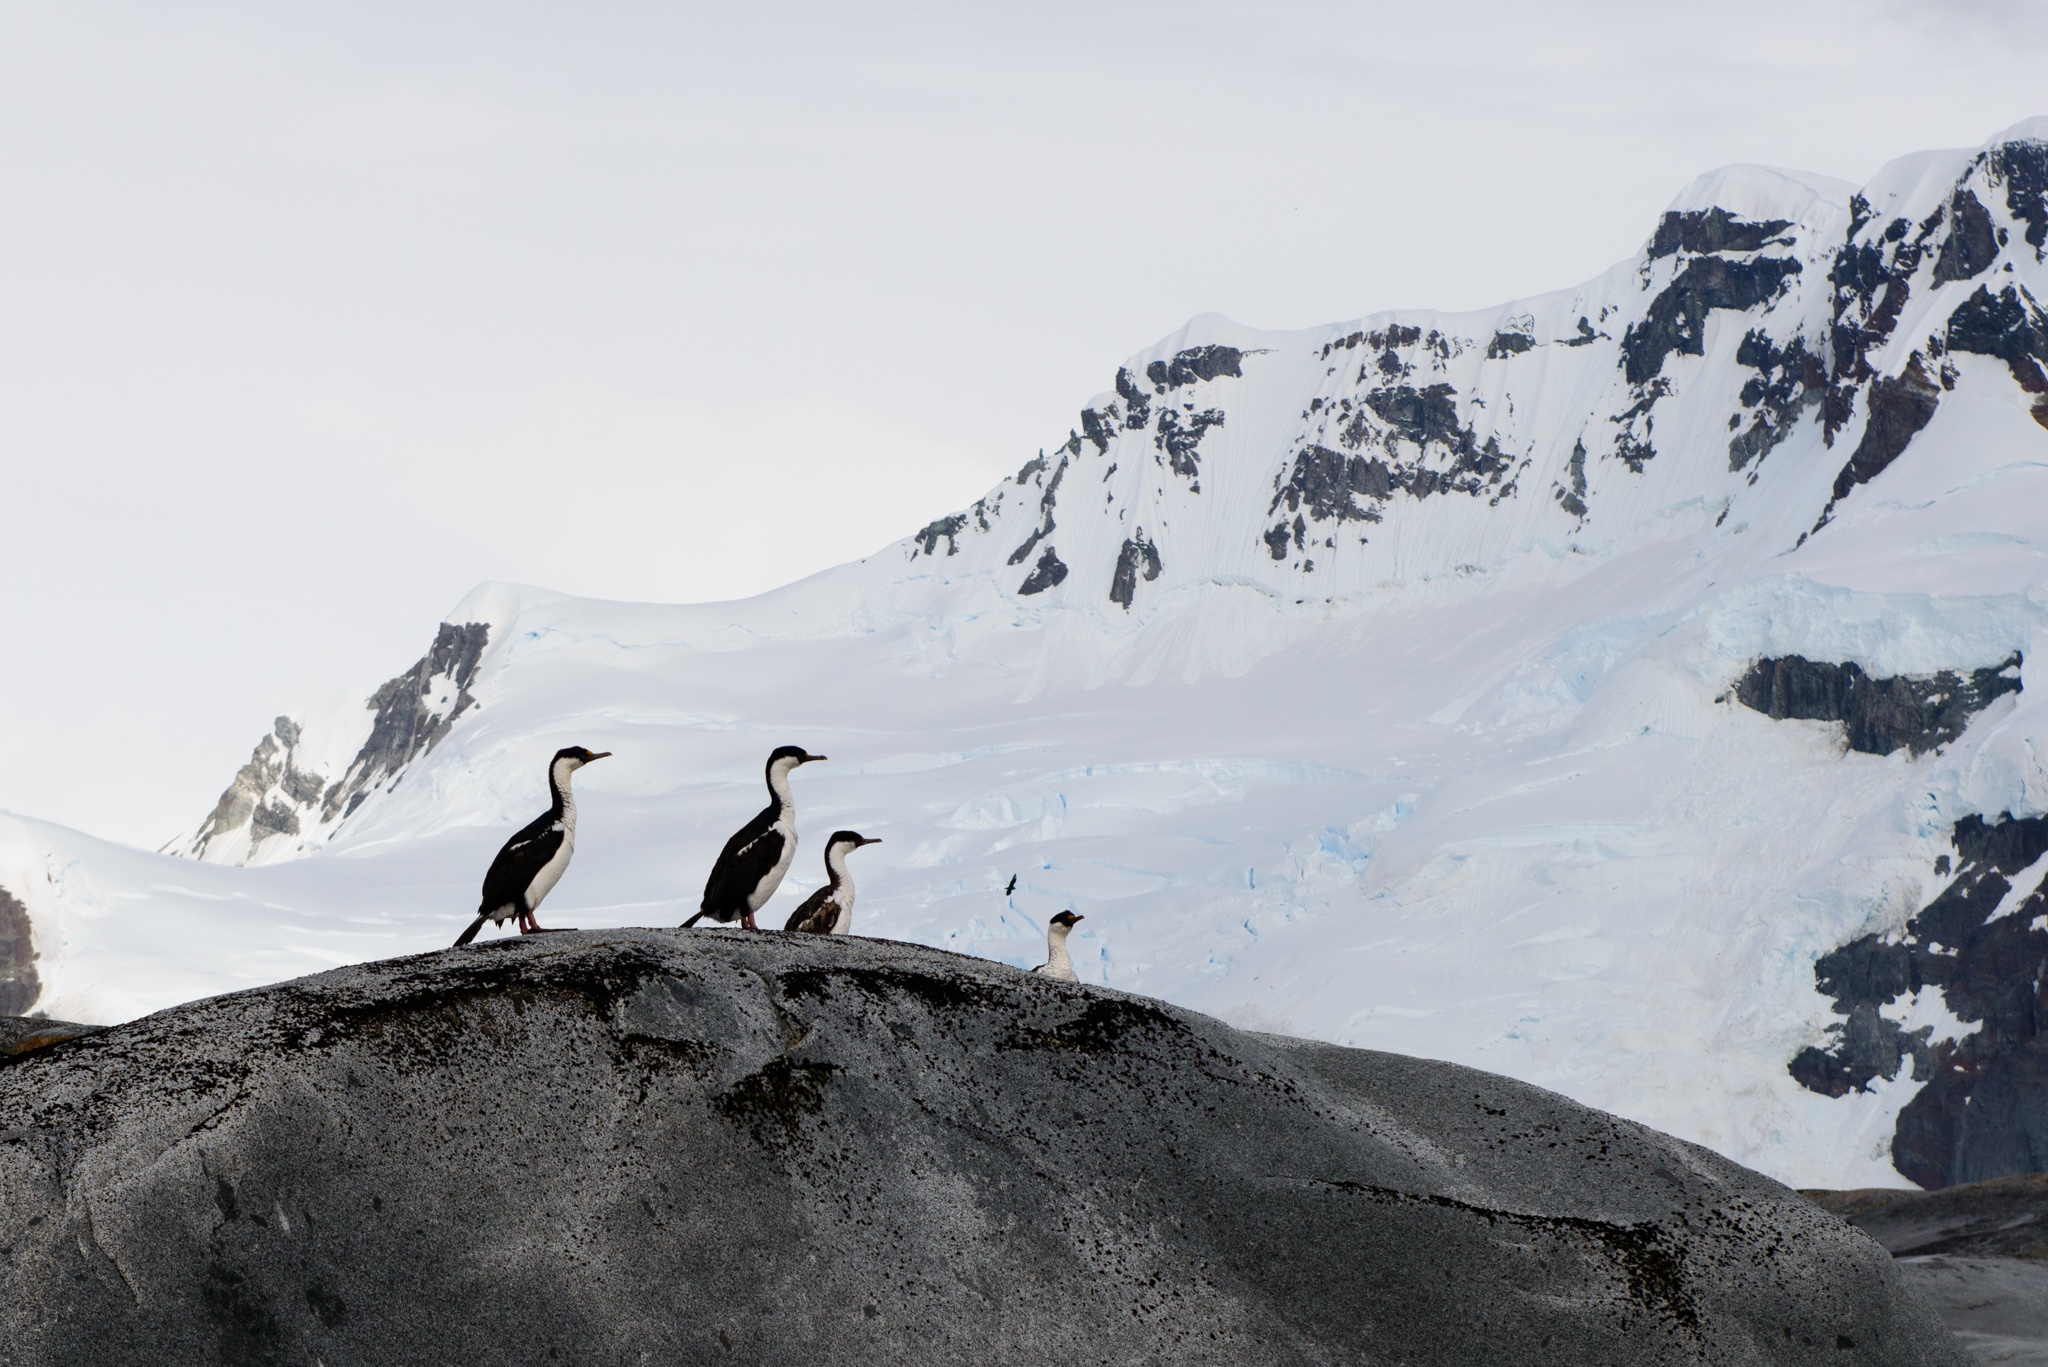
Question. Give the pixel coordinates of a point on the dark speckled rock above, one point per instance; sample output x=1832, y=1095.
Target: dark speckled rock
x=628, y=1146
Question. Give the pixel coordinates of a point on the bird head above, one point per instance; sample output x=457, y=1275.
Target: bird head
x=1066, y=920
x=578, y=756
x=852, y=839
x=787, y=757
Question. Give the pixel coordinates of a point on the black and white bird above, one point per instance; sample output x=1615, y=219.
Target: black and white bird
x=533, y=861
x=829, y=910
x=750, y=867
x=1057, y=964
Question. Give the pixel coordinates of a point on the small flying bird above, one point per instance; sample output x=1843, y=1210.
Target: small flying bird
x=829, y=910
x=1057, y=964
x=1011, y=891
x=533, y=861
x=750, y=867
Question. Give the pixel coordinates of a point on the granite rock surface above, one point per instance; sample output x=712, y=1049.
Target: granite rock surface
x=628, y=1146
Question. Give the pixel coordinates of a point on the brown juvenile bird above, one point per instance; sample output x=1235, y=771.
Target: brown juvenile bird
x=829, y=910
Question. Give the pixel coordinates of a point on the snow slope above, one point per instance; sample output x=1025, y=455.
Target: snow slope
x=1374, y=682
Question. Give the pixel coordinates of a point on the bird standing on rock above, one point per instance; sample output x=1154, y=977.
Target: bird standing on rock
x=829, y=910
x=751, y=865
x=1057, y=964
x=533, y=861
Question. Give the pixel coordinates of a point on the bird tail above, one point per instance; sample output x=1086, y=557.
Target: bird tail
x=694, y=920
x=474, y=927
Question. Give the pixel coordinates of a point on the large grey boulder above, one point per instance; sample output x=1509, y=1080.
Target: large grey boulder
x=724, y=1147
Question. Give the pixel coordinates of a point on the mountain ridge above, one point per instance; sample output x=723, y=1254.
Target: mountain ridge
x=1380, y=682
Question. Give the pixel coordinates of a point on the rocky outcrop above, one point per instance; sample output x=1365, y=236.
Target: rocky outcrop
x=282, y=792
x=1978, y=1254
x=20, y=1034
x=1878, y=716
x=1981, y=948
x=625, y=1146
x=20, y=984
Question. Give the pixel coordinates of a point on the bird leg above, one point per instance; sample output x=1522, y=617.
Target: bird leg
x=748, y=921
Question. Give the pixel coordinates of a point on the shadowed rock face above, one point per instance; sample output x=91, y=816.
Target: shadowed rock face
x=610, y=1147
x=20, y=984
x=1878, y=715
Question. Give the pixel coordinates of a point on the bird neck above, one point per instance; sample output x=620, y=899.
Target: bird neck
x=778, y=787
x=835, y=869
x=1056, y=949
x=559, y=774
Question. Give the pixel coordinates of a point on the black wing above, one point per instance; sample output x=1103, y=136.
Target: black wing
x=524, y=855
x=817, y=913
x=746, y=859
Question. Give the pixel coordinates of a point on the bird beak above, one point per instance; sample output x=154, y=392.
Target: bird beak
x=810, y=759
x=602, y=754
x=872, y=840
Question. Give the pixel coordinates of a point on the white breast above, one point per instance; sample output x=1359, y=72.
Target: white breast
x=552, y=871
x=785, y=828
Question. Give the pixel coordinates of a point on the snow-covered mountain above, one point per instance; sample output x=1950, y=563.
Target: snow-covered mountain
x=1629, y=689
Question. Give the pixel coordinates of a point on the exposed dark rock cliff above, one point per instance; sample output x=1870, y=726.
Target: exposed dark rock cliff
x=1909, y=712
x=624, y=1146
x=1984, y=1110
x=20, y=984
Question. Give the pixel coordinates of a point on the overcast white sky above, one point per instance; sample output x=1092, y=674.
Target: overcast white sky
x=313, y=316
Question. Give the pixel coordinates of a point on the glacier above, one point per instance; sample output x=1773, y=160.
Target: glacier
x=1375, y=682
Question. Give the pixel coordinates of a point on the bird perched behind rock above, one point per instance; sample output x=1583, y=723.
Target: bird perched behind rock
x=750, y=867
x=1057, y=964
x=829, y=910
x=533, y=861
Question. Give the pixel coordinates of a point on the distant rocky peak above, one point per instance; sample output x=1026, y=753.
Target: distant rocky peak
x=293, y=795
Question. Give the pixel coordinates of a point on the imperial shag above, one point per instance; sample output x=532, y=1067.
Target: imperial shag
x=533, y=861
x=829, y=910
x=751, y=866
x=1057, y=964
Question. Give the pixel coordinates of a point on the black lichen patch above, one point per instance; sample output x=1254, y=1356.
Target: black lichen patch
x=770, y=1103
x=946, y=528
x=1139, y=557
x=1983, y=1111
x=330, y=1309
x=1048, y=572
x=249, y=1334
x=1715, y=230
x=1105, y=1025
x=1650, y=1261
x=942, y=994
x=1879, y=715
x=1972, y=240
x=20, y=985
x=1196, y=363
x=1677, y=318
